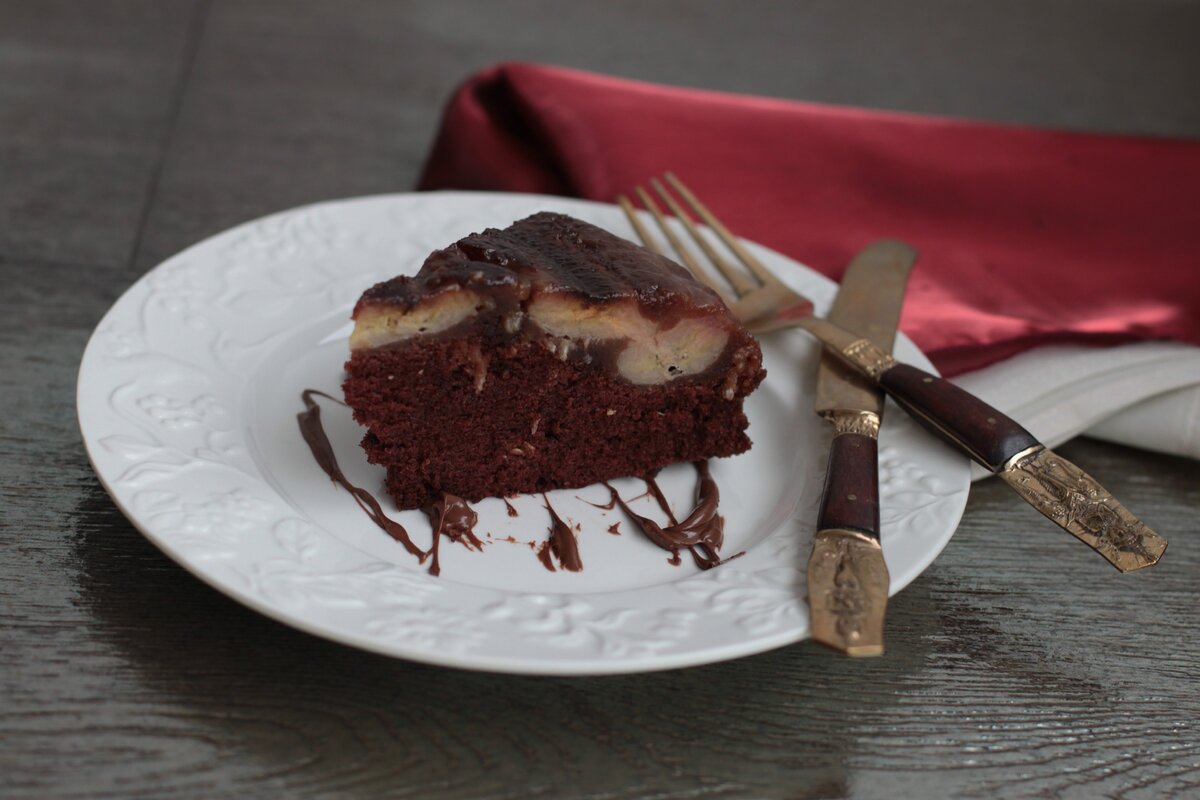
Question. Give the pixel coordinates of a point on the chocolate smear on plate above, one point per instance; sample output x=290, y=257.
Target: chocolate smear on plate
x=562, y=544
x=450, y=516
x=703, y=530
x=314, y=435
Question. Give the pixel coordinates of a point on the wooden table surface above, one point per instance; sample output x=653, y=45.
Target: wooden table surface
x=1019, y=664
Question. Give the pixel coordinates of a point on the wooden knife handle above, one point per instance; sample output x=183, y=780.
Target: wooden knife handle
x=851, y=497
x=957, y=416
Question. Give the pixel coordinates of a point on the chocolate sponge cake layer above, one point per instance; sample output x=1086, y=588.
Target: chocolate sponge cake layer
x=539, y=423
x=551, y=354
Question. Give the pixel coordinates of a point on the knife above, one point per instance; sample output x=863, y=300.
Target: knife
x=1061, y=491
x=847, y=577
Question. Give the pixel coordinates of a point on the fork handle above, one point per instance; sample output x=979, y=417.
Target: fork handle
x=957, y=416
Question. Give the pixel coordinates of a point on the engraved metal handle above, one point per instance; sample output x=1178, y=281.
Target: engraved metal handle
x=1070, y=497
x=847, y=592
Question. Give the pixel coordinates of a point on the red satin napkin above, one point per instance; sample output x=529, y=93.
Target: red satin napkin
x=1027, y=237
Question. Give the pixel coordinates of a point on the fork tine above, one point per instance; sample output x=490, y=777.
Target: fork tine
x=636, y=221
x=741, y=282
x=688, y=259
x=728, y=238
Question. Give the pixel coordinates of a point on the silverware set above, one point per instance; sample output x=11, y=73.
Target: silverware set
x=847, y=577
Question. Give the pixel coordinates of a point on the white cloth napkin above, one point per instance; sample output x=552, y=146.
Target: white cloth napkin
x=1144, y=395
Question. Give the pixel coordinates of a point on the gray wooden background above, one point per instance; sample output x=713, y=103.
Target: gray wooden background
x=1019, y=665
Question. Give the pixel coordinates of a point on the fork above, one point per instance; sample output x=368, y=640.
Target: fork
x=760, y=300
x=1061, y=491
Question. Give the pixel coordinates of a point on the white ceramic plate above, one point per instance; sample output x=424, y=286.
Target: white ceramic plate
x=188, y=394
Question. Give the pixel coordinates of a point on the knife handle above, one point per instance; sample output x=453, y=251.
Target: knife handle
x=957, y=416
x=847, y=575
x=851, y=496
x=1061, y=491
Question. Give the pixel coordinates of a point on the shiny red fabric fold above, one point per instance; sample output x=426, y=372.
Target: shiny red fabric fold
x=1027, y=237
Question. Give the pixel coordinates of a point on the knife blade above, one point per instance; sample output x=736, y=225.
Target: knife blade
x=847, y=577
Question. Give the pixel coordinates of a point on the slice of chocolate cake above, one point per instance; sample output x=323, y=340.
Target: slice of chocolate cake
x=547, y=355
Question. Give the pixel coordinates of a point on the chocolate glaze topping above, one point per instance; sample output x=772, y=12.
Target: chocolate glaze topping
x=553, y=253
x=314, y=435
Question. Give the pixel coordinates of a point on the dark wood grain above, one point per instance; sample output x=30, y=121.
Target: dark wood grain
x=1017, y=667
x=850, y=498
x=86, y=92
x=957, y=416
